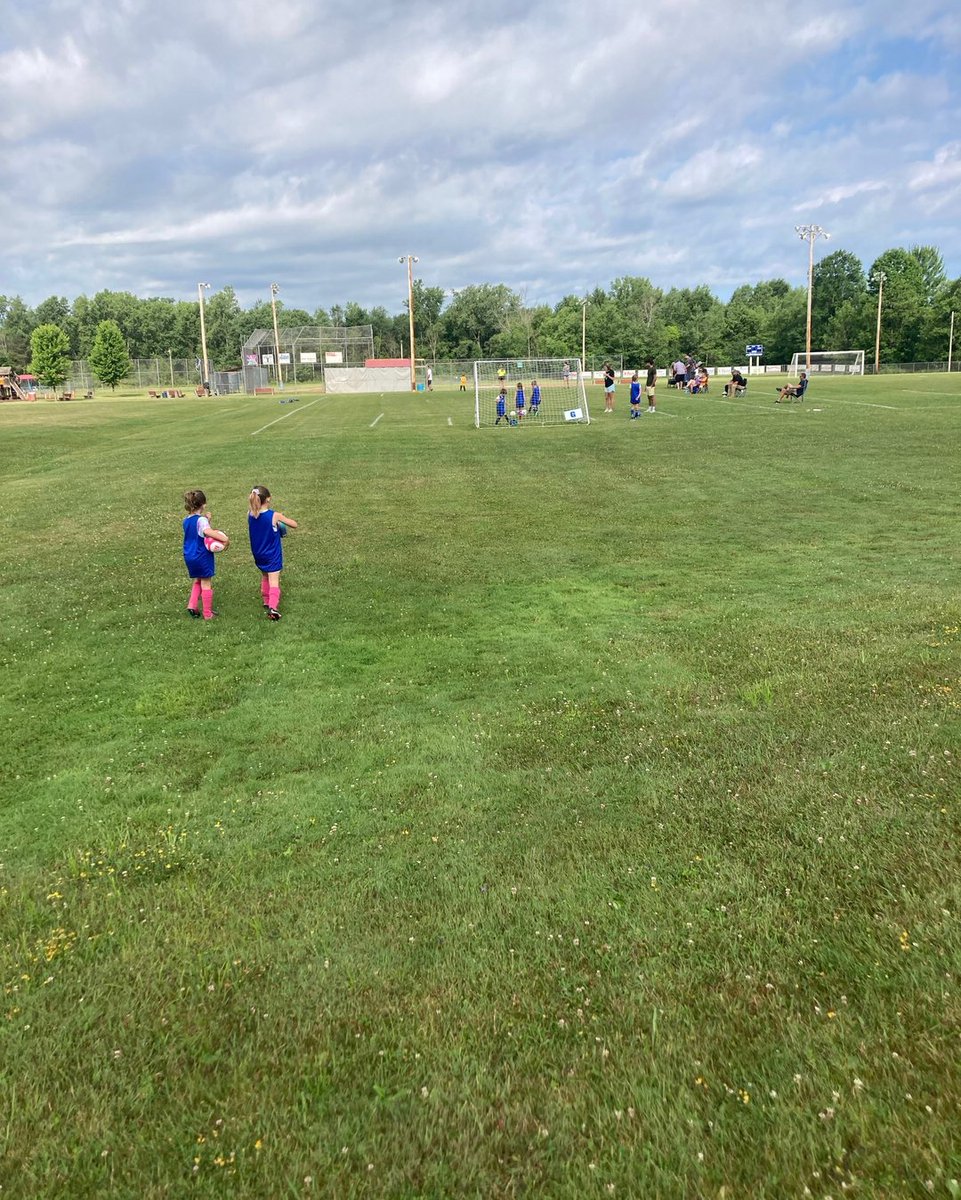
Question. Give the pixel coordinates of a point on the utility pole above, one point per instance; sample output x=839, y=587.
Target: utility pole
x=880, y=277
x=201, y=287
x=278, y=373
x=410, y=259
x=810, y=234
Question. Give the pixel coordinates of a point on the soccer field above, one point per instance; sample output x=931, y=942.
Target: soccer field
x=588, y=826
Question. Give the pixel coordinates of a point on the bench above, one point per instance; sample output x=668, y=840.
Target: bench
x=263, y=391
x=66, y=396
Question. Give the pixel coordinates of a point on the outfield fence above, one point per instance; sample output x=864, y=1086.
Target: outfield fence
x=163, y=373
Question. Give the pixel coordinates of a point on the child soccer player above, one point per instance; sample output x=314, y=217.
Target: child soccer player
x=635, y=397
x=502, y=407
x=266, y=547
x=519, y=401
x=200, y=562
x=535, y=397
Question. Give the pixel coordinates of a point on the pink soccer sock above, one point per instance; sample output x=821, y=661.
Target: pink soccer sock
x=273, y=597
x=194, y=595
x=265, y=588
x=207, y=598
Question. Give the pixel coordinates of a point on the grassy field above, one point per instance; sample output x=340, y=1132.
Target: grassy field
x=588, y=826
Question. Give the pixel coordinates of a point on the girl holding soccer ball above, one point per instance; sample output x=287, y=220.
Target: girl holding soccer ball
x=198, y=556
x=266, y=527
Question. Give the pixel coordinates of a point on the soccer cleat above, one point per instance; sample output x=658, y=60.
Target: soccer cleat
x=192, y=612
x=273, y=614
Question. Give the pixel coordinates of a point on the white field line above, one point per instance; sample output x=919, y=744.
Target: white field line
x=744, y=404
x=286, y=415
x=863, y=404
x=374, y=422
x=450, y=420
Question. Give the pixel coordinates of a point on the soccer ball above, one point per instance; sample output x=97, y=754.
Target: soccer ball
x=214, y=543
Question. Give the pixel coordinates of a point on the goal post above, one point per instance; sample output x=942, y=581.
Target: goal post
x=830, y=362
x=560, y=397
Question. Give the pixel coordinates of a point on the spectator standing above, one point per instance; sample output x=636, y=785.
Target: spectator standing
x=609, y=386
x=650, y=385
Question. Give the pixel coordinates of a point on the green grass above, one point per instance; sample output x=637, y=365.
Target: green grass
x=589, y=824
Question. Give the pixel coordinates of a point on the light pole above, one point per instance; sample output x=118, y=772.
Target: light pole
x=810, y=234
x=410, y=259
x=951, y=341
x=201, y=288
x=278, y=374
x=584, y=335
x=879, y=278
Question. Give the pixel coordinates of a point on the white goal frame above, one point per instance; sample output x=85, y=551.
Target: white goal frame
x=830, y=362
x=563, y=396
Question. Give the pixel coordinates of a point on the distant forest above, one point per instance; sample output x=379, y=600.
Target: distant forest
x=631, y=320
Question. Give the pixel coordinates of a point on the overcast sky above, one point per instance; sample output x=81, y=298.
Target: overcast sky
x=552, y=146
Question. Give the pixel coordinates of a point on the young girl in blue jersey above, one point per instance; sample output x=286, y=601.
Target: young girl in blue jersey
x=200, y=562
x=635, y=397
x=519, y=401
x=535, y=397
x=502, y=406
x=266, y=528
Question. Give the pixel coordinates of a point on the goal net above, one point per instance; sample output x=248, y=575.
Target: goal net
x=559, y=398
x=830, y=362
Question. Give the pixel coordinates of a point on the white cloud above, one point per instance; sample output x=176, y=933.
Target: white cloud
x=549, y=145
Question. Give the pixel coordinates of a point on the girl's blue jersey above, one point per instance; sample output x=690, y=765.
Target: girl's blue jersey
x=535, y=397
x=519, y=398
x=501, y=406
x=199, y=561
x=635, y=391
x=265, y=543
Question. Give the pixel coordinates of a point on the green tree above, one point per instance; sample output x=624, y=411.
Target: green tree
x=19, y=321
x=838, y=279
x=475, y=316
x=902, y=303
x=932, y=270
x=108, y=356
x=50, y=355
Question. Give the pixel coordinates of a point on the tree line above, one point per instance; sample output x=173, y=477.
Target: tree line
x=630, y=320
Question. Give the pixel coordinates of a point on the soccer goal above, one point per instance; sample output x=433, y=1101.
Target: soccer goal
x=830, y=362
x=560, y=397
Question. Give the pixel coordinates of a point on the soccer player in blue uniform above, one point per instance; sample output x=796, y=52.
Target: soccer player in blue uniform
x=200, y=562
x=535, y=397
x=519, y=401
x=266, y=528
x=502, y=407
x=635, y=397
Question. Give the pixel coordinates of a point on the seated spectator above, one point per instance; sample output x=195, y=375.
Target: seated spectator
x=737, y=384
x=795, y=391
x=698, y=381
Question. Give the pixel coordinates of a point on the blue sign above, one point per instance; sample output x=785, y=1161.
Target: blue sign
x=754, y=351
